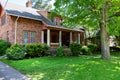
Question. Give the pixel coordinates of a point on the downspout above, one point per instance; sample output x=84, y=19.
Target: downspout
x=15, y=41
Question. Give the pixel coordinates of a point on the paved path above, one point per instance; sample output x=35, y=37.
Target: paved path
x=8, y=73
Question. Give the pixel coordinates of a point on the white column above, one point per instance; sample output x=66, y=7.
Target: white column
x=60, y=38
x=70, y=37
x=48, y=37
x=42, y=37
x=79, y=38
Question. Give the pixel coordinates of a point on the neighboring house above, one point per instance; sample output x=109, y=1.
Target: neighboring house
x=27, y=25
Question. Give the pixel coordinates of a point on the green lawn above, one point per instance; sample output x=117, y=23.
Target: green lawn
x=69, y=68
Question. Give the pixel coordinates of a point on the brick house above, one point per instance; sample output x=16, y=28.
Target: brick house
x=27, y=25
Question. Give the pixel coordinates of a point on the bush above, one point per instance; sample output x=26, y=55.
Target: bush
x=3, y=46
x=92, y=47
x=75, y=48
x=60, y=51
x=67, y=52
x=34, y=50
x=16, y=52
x=46, y=49
x=85, y=50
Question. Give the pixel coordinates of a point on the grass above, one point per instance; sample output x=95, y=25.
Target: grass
x=69, y=68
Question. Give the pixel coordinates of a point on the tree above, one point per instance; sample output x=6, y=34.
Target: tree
x=40, y=4
x=92, y=13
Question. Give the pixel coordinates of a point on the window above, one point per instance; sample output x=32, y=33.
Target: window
x=32, y=37
x=29, y=37
x=25, y=37
x=3, y=19
x=56, y=21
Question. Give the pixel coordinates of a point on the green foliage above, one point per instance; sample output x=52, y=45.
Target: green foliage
x=42, y=5
x=67, y=52
x=16, y=52
x=75, y=48
x=85, y=50
x=36, y=50
x=92, y=47
x=60, y=51
x=46, y=49
x=3, y=46
x=88, y=13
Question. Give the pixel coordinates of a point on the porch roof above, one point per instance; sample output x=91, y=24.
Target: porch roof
x=63, y=28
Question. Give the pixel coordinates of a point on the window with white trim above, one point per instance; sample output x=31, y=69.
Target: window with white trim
x=32, y=37
x=25, y=37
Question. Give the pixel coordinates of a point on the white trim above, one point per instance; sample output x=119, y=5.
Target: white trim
x=48, y=37
x=71, y=37
x=60, y=38
x=42, y=37
x=79, y=38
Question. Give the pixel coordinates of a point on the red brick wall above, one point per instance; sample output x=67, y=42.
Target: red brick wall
x=58, y=21
x=30, y=26
x=7, y=31
x=46, y=14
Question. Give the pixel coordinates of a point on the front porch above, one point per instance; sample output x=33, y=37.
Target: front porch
x=57, y=37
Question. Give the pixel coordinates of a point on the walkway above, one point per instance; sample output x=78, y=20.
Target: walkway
x=8, y=73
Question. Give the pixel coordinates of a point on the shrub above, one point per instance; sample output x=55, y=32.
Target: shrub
x=92, y=47
x=60, y=51
x=3, y=46
x=67, y=52
x=85, y=50
x=75, y=48
x=34, y=50
x=46, y=49
x=16, y=52
x=38, y=49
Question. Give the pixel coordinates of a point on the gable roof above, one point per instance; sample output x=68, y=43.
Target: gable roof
x=26, y=12
x=31, y=13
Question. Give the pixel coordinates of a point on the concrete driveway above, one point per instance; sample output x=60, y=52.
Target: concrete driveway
x=8, y=73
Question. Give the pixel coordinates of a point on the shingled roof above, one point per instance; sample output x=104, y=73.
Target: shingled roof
x=26, y=12
x=31, y=13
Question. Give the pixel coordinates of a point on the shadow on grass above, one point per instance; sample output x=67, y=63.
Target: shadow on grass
x=69, y=68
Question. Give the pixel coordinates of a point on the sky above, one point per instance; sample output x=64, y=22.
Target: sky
x=20, y=2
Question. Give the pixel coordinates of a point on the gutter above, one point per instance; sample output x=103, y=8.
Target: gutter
x=16, y=25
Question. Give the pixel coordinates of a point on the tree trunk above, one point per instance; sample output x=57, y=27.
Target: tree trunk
x=104, y=36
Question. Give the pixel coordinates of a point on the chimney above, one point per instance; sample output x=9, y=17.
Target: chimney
x=28, y=3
